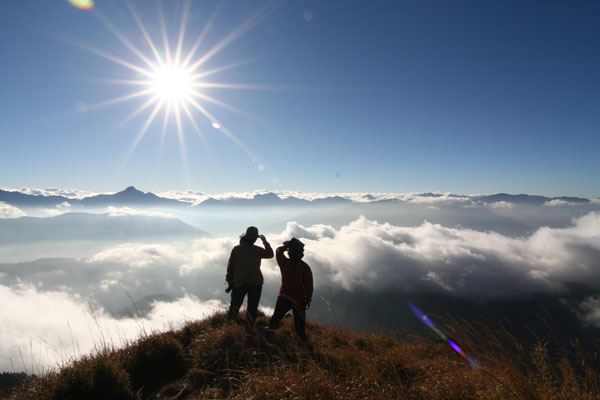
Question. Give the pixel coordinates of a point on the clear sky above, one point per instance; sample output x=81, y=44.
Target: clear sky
x=328, y=96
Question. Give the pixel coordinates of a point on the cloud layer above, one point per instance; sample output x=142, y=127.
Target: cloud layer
x=363, y=253
x=70, y=193
x=462, y=261
x=42, y=329
x=60, y=298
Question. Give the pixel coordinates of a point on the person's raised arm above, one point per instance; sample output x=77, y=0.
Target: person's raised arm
x=280, y=256
x=267, y=252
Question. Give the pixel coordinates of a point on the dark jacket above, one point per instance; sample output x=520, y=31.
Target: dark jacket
x=296, y=278
x=244, y=264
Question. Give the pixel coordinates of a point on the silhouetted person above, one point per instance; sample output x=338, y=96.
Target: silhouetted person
x=243, y=273
x=296, y=286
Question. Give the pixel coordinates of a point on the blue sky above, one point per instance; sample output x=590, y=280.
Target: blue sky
x=388, y=96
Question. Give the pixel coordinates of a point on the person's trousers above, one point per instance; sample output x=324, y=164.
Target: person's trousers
x=237, y=299
x=284, y=305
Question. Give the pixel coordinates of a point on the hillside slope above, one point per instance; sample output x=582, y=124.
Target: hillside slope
x=214, y=359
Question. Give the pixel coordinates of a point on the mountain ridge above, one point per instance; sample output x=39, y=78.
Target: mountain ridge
x=134, y=197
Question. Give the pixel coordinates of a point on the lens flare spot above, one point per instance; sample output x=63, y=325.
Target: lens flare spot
x=455, y=347
x=473, y=363
x=307, y=15
x=216, y=126
x=82, y=4
x=82, y=106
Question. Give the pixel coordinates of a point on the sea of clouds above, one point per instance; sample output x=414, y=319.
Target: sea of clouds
x=54, y=309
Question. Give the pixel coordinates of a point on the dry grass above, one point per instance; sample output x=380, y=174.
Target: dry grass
x=213, y=359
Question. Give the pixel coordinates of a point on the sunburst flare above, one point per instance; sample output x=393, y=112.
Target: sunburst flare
x=172, y=80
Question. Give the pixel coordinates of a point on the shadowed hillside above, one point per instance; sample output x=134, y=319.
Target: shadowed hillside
x=213, y=359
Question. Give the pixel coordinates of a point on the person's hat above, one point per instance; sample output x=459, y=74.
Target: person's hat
x=295, y=248
x=293, y=243
x=251, y=233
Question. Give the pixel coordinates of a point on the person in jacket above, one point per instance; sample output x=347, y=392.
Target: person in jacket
x=296, y=286
x=243, y=273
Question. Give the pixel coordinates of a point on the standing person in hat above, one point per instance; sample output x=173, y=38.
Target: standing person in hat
x=296, y=286
x=243, y=273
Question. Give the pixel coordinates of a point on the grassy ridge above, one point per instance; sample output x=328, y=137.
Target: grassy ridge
x=213, y=359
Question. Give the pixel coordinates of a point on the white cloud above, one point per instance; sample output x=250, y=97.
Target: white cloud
x=139, y=255
x=70, y=193
x=186, y=196
x=206, y=254
x=61, y=208
x=314, y=232
x=501, y=204
x=8, y=211
x=464, y=261
x=187, y=308
x=438, y=198
x=559, y=202
x=357, y=197
x=51, y=212
x=435, y=278
x=189, y=257
x=590, y=310
x=125, y=211
x=42, y=329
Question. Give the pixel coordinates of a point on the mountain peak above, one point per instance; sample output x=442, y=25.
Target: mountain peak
x=130, y=189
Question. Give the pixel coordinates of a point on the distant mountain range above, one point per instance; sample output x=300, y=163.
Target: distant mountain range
x=134, y=197
x=85, y=226
x=272, y=199
x=128, y=197
x=526, y=199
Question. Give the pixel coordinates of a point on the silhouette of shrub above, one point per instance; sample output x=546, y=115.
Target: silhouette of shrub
x=89, y=378
x=221, y=351
x=9, y=380
x=190, y=331
x=155, y=360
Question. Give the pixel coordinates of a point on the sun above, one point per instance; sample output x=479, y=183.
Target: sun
x=172, y=84
x=172, y=79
